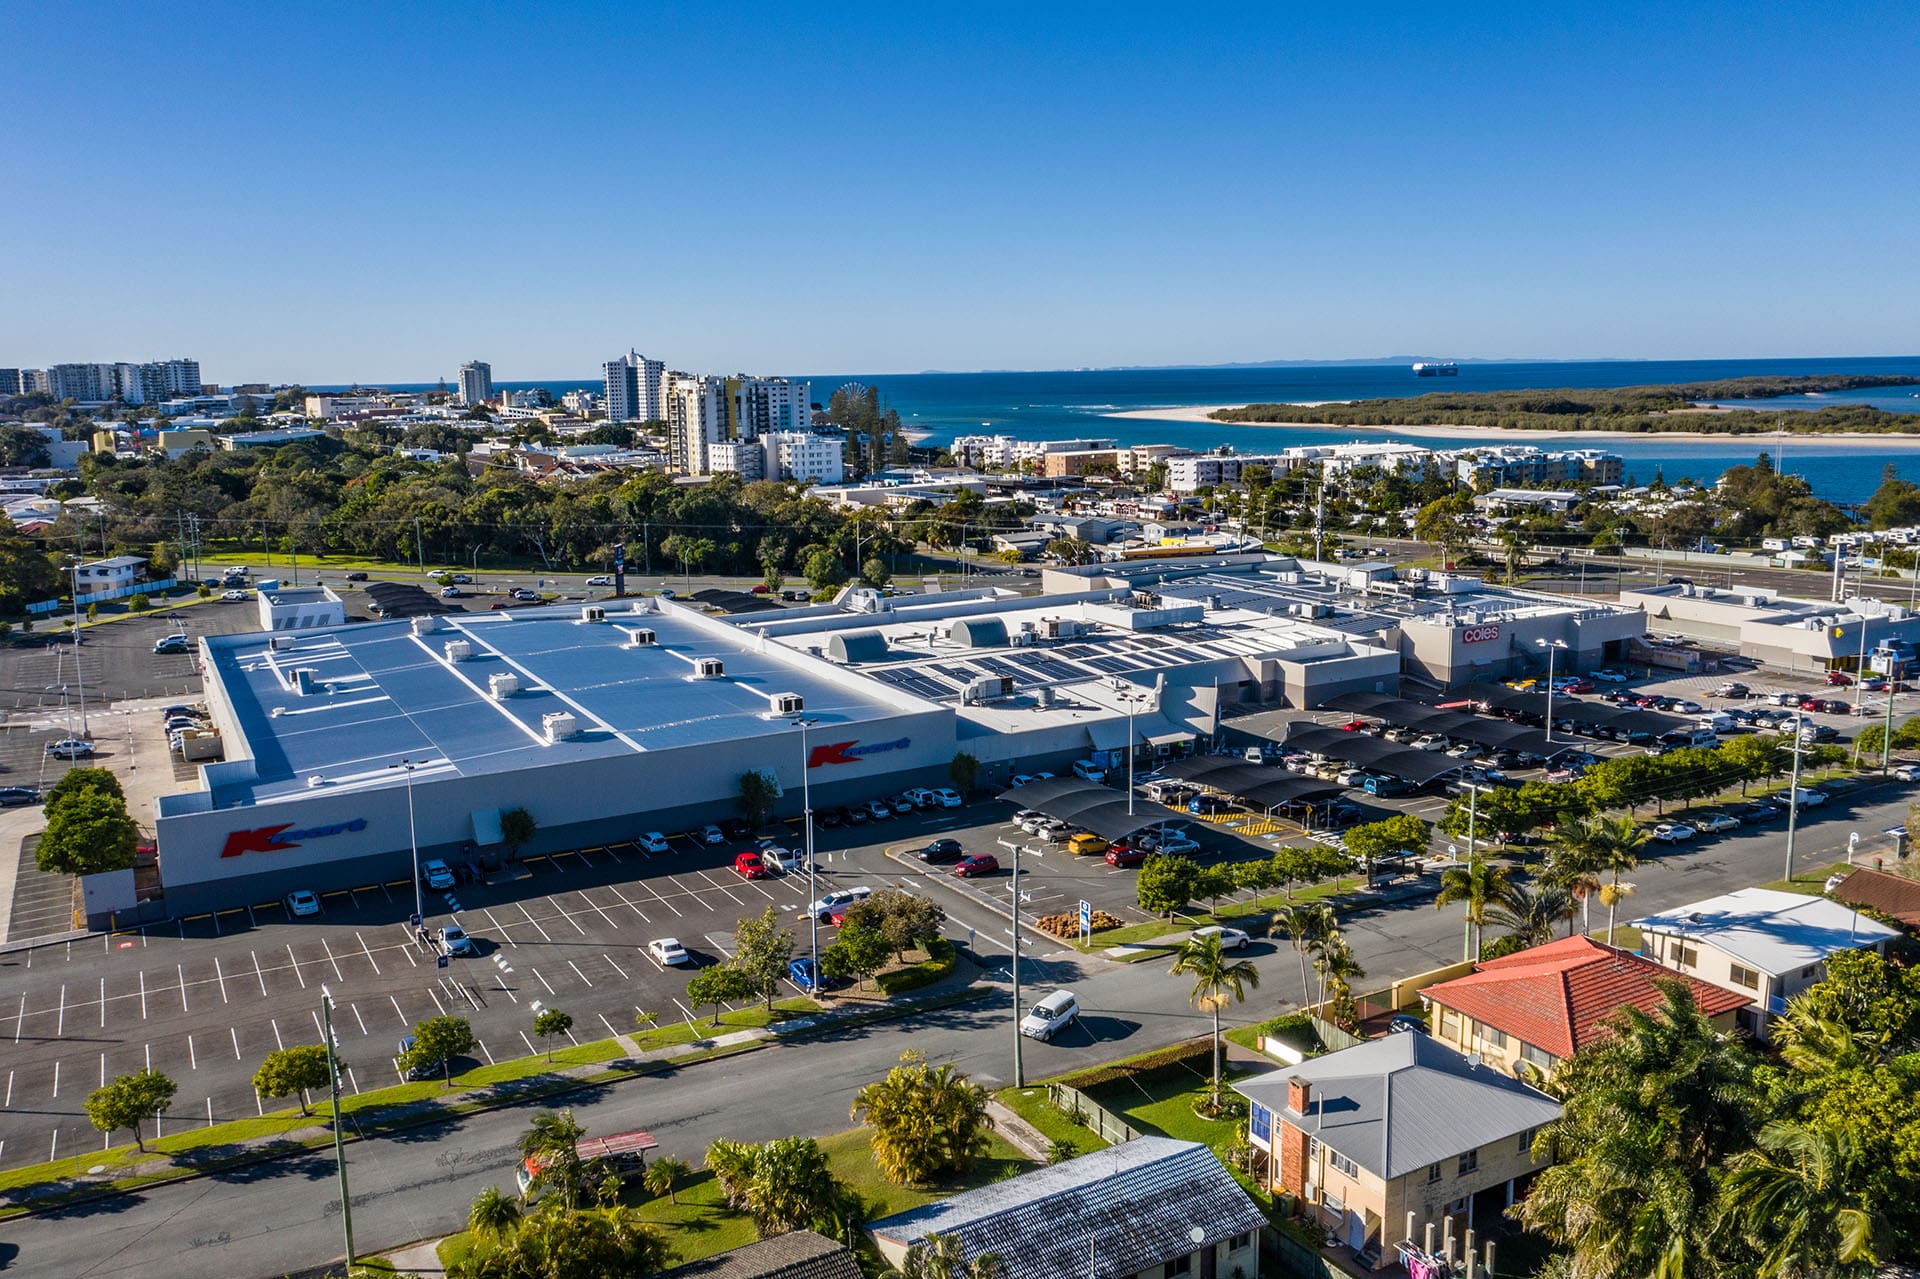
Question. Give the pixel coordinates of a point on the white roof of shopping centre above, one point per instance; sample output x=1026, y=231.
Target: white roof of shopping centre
x=381, y=693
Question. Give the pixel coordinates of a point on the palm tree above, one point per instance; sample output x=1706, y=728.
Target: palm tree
x=1791, y=1198
x=553, y=1138
x=1215, y=980
x=1334, y=960
x=1479, y=884
x=1617, y=842
x=664, y=1175
x=1571, y=864
x=1530, y=913
x=493, y=1215
x=941, y=1256
x=1306, y=926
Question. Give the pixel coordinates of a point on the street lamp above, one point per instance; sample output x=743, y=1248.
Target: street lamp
x=1132, y=699
x=1551, y=646
x=419, y=904
x=806, y=821
x=339, y=1148
x=78, y=674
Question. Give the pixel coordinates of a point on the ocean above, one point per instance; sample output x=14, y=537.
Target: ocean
x=1073, y=404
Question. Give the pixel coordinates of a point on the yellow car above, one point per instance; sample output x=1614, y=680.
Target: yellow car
x=1086, y=844
x=1524, y=685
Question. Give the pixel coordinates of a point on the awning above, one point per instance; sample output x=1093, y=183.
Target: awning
x=1283, y=790
x=1108, y=734
x=486, y=827
x=1100, y=809
x=1170, y=739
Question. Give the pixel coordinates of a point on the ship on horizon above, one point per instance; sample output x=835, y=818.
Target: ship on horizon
x=1442, y=368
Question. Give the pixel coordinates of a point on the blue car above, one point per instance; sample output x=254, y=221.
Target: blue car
x=1208, y=804
x=802, y=974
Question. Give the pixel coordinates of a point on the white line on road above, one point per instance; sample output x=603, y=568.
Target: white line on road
x=258, y=1105
x=236, y=1042
x=182, y=970
x=20, y=1019
x=369, y=953
x=503, y=988
x=531, y=920
x=608, y=1025
x=629, y=905
x=257, y=973
x=337, y=974
x=53, y=1152
x=568, y=915
x=541, y=980
x=222, y=979
x=143, y=994
x=319, y=1027
x=499, y=929
x=8, y=1103
x=56, y=1079
x=582, y=976
x=436, y=1001
x=597, y=909
x=149, y=1054
x=398, y=1009
x=103, y=1003
x=296, y=967
x=350, y=1078
x=209, y=1112
x=483, y=1048
x=277, y=1041
x=528, y=1042
x=103, y=1070
x=616, y=968
x=60, y=1026
x=357, y=1017
x=657, y=897
x=193, y=1058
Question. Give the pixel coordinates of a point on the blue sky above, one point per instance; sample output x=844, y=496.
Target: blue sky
x=380, y=191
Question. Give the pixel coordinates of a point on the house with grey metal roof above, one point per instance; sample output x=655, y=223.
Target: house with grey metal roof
x=798, y=1254
x=1759, y=942
x=1397, y=1130
x=1151, y=1208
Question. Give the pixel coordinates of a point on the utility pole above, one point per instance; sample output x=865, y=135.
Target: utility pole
x=1793, y=801
x=419, y=547
x=339, y=1147
x=1886, y=740
x=806, y=817
x=1019, y=1070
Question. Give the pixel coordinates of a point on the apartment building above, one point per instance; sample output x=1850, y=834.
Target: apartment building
x=636, y=389
x=10, y=382
x=759, y=406
x=696, y=418
x=476, y=383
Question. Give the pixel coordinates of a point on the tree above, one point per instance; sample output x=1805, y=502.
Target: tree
x=1530, y=914
x=874, y=572
x=1479, y=884
x=138, y=603
x=941, y=1256
x=824, y=571
x=783, y=1184
x=964, y=771
x=1517, y=542
x=1791, y=1198
x=1335, y=961
x=1649, y=1115
x=75, y=780
x=1617, y=842
x=1166, y=883
x=761, y=951
x=516, y=830
x=493, y=1216
x=664, y=1175
x=129, y=1101
x=1213, y=883
x=291, y=1072
x=1402, y=833
x=925, y=1122
x=859, y=951
x=1572, y=864
x=718, y=985
x=905, y=919
x=552, y=1141
x=758, y=791
x=1447, y=523
x=548, y=1023
x=562, y=1243
x=436, y=1042
x=1307, y=924
x=1216, y=980
x=87, y=832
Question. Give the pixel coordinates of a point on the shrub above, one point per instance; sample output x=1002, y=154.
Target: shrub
x=1179, y=1056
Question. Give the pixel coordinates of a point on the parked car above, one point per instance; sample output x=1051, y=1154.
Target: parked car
x=976, y=864
x=1178, y=845
x=1050, y=1016
x=839, y=899
x=831, y=818
x=1686, y=706
x=1839, y=679
x=1715, y=823
x=942, y=850
x=1906, y=773
x=1125, y=857
x=449, y=592
x=1757, y=812
x=749, y=866
x=802, y=973
x=419, y=1070
x=302, y=902
x=710, y=835
x=1672, y=833
x=1023, y=779
x=1607, y=675
x=600, y=579
x=437, y=874
x=1209, y=804
x=786, y=861
x=70, y=748
x=1430, y=742
x=356, y=576
x=901, y=805
x=878, y=810
x=1810, y=797
x=1087, y=844
x=736, y=828
x=668, y=952
x=454, y=940
x=947, y=797
x=235, y=597
x=1731, y=688
x=527, y=596
x=171, y=644
x=653, y=842
x=1230, y=938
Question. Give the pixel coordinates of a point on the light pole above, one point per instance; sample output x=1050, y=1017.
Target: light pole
x=1132, y=699
x=413, y=840
x=1793, y=799
x=1551, y=646
x=78, y=674
x=339, y=1148
x=806, y=821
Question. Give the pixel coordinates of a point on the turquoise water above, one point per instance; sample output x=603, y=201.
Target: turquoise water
x=1073, y=404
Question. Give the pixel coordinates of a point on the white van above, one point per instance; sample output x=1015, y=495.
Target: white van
x=1088, y=769
x=1050, y=1016
x=1715, y=722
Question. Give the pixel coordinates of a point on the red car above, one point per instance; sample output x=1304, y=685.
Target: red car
x=750, y=866
x=837, y=916
x=1355, y=726
x=977, y=864
x=1579, y=686
x=1839, y=679
x=1122, y=856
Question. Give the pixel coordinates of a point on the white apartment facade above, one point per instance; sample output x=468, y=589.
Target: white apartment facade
x=636, y=389
x=476, y=382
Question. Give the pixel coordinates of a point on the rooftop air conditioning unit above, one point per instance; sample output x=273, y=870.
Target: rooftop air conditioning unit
x=425, y=625
x=710, y=668
x=1042, y=698
x=458, y=650
x=990, y=688
x=788, y=703
x=641, y=637
x=502, y=685
x=559, y=726
x=279, y=642
x=593, y=613
x=304, y=681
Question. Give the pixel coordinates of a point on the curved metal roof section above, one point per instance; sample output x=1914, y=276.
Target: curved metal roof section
x=1100, y=809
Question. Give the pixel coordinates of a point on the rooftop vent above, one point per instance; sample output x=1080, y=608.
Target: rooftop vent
x=315, y=781
x=502, y=685
x=304, y=681
x=559, y=726
x=593, y=613
x=279, y=642
x=709, y=668
x=458, y=650
x=788, y=703
x=641, y=637
x=988, y=688
x=425, y=625
x=1042, y=698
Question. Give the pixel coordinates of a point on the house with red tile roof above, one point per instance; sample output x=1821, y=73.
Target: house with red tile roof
x=1894, y=896
x=1529, y=1011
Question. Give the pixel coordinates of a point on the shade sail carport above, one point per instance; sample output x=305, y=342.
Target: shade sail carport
x=1197, y=768
x=1415, y=766
x=1289, y=789
x=1100, y=809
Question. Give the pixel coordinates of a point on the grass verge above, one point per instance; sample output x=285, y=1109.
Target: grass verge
x=1034, y=1106
x=941, y=957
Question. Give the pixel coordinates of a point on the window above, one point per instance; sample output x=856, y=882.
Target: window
x=1491, y=1036
x=1260, y=1122
x=1449, y=1023
x=1433, y=1173
x=1180, y=1266
x=1469, y=1162
x=1681, y=953
x=1238, y=1242
x=1343, y=1164
x=1539, y=1057
x=1744, y=977
x=1526, y=1141
x=1334, y=1203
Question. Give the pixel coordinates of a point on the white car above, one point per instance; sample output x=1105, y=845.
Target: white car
x=1051, y=1015
x=233, y=597
x=437, y=873
x=1230, y=938
x=1174, y=845
x=1908, y=772
x=454, y=940
x=946, y=797
x=668, y=952
x=1057, y=833
x=449, y=592
x=301, y=901
x=784, y=860
x=1352, y=777
x=600, y=580
x=70, y=748
x=1672, y=833
x=710, y=835
x=1608, y=676
x=1467, y=751
x=839, y=899
x=653, y=842
x=1430, y=742
x=1687, y=706
x=1022, y=779
x=1715, y=823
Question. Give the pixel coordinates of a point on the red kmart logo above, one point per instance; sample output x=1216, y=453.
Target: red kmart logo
x=852, y=752
x=276, y=839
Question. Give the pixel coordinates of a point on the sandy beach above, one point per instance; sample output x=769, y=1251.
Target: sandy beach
x=1863, y=441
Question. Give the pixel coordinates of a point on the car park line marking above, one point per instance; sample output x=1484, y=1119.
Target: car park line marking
x=688, y=1011
x=193, y=1058
x=236, y=1042
x=484, y=1049
x=8, y=1103
x=541, y=980
x=103, y=1070
x=143, y=999
x=56, y=1078
x=531, y=1050
x=657, y=897
x=596, y=906
x=182, y=970
x=296, y=967
x=616, y=967
x=503, y=988
x=436, y=1001
x=397, y=1009
x=256, y=972
x=149, y=1055
x=717, y=946
x=499, y=928
x=355, y=1082
x=531, y=920
x=608, y=1025
x=581, y=975
x=368, y=951
x=567, y=915
x=717, y=884
x=277, y=1041
x=209, y=1112
x=218, y=976
x=60, y=1026
x=337, y=974
x=357, y=1017
x=259, y=1106
x=53, y=1151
